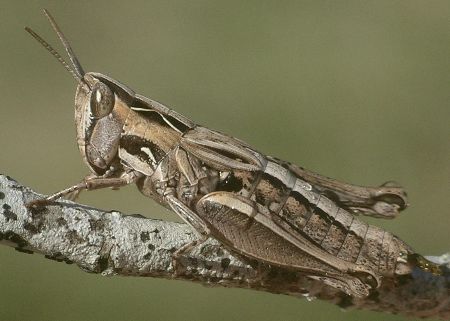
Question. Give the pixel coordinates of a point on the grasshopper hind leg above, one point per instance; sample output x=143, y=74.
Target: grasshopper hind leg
x=228, y=216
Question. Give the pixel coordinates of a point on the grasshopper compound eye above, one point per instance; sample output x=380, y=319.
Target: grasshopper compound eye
x=102, y=100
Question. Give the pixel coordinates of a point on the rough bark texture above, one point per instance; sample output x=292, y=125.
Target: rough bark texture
x=112, y=243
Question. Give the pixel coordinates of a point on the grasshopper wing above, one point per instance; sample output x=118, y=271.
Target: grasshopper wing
x=384, y=201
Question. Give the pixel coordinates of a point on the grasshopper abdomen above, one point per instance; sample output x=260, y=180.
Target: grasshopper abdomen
x=297, y=207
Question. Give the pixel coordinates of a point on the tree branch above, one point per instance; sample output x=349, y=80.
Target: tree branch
x=112, y=243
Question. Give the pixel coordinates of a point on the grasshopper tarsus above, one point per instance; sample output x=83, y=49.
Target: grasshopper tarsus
x=39, y=204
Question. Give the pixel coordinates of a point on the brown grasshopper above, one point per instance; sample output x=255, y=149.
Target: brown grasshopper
x=257, y=206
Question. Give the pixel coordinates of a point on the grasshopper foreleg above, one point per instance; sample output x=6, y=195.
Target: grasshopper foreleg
x=89, y=183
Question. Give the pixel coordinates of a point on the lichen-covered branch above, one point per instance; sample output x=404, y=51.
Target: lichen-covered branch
x=112, y=243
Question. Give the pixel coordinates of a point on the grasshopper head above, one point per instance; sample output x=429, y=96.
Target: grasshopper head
x=100, y=113
x=100, y=108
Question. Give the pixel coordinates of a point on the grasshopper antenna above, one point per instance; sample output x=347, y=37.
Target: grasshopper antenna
x=66, y=44
x=78, y=71
x=55, y=54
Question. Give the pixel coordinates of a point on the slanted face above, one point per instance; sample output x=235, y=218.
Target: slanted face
x=99, y=116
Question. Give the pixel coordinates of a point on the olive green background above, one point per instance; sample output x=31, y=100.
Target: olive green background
x=356, y=90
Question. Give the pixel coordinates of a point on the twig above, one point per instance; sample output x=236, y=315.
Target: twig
x=112, y=243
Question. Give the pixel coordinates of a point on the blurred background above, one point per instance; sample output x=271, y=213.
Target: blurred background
x=355, y=90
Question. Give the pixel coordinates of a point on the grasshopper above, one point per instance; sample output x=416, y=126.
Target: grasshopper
x=259, y=207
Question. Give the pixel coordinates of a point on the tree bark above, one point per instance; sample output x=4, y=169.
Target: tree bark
x=112, y=243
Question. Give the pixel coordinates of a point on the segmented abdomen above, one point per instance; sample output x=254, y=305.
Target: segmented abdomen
x=295, y=202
